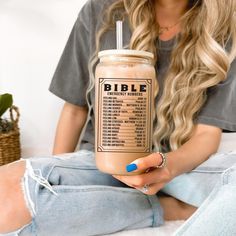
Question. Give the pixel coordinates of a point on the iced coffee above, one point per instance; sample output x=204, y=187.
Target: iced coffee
x=124, y=87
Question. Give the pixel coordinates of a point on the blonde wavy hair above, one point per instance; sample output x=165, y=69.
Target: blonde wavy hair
x=199, y=61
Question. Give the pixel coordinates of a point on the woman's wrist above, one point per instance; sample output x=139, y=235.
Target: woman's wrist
x=178, y=163
x=166, y=162
x=171, y=165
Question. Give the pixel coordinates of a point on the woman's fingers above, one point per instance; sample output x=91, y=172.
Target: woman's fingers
x=145, y=163
x=152, y=180
x=151, y=189
x=152, y=177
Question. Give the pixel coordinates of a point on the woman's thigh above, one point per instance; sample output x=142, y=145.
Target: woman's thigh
x=194, y=187
x=67, y=171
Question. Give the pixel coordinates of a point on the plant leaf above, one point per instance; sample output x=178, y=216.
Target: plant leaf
x=6, y=102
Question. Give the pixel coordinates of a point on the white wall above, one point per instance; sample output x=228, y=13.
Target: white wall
x=33, y=34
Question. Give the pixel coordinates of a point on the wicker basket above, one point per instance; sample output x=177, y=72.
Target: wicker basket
x=10, y=142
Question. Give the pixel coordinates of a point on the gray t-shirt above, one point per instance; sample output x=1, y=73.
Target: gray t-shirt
x=71, y=78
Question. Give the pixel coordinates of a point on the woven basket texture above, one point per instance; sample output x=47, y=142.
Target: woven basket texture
x=10, y=142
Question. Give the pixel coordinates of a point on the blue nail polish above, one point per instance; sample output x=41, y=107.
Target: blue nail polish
x=131, y=167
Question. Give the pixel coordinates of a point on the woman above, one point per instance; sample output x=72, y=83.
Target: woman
x=195, y=45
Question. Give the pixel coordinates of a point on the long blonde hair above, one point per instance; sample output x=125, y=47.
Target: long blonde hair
x=199, y=61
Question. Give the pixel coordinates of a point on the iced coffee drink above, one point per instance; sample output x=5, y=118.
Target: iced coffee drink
x=124, y=87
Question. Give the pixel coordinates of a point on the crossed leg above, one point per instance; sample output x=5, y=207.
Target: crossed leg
x=15, y=214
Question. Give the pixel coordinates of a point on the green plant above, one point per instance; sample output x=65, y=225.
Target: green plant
x=6, y=102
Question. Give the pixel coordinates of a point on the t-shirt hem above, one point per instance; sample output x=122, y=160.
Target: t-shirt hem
x=67, y=99
x=224, y=125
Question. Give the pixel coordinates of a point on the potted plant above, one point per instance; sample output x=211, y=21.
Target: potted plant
x=9, y=131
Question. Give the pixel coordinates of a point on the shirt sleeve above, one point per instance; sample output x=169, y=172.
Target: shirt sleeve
x=220, y=107
x=71, y=77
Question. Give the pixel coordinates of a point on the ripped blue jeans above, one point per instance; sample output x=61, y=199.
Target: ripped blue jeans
x=67, y=195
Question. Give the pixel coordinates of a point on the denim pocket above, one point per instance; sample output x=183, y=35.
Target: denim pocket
x=67, y=175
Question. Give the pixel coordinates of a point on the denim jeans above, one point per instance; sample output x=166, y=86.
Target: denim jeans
x=217, y=214
x=194, y=187
x=67, y=195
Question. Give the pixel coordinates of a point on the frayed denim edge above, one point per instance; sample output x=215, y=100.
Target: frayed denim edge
x=25, y=189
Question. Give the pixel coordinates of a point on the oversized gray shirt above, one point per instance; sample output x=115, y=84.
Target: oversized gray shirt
x=71, y=77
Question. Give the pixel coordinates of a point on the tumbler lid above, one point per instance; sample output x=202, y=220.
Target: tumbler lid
x=126, y=52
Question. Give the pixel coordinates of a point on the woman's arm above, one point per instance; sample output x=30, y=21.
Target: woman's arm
x=70, y=125
x=204, y=142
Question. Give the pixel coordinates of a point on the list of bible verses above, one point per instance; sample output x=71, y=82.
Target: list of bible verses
x=125, y=115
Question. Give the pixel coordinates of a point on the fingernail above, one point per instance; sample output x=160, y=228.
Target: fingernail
x=131, y=167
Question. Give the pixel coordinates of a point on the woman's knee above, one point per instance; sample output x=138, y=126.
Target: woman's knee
x=14, y=212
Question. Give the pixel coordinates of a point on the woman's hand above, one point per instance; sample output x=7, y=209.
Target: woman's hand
x=153, y=179
x=203, y=143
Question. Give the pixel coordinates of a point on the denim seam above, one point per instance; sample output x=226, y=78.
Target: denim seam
x=208, y=171
x=34, y=227
x=49, y=172
x=67, y=166
x=226, y=176
x=153, y=211
x=92, y=188
x=157, y=212
x=196, y=215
